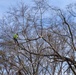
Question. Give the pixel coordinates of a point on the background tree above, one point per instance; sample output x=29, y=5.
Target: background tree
x=46, y=44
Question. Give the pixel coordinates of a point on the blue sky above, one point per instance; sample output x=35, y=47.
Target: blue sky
x=61, y=3
x=5, y=4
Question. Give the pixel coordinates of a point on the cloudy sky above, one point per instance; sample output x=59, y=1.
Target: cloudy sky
x=5, y=4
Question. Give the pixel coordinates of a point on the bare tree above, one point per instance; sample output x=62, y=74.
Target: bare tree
x=46, y=45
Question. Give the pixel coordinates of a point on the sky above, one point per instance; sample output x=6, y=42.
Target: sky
x=5, y=4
